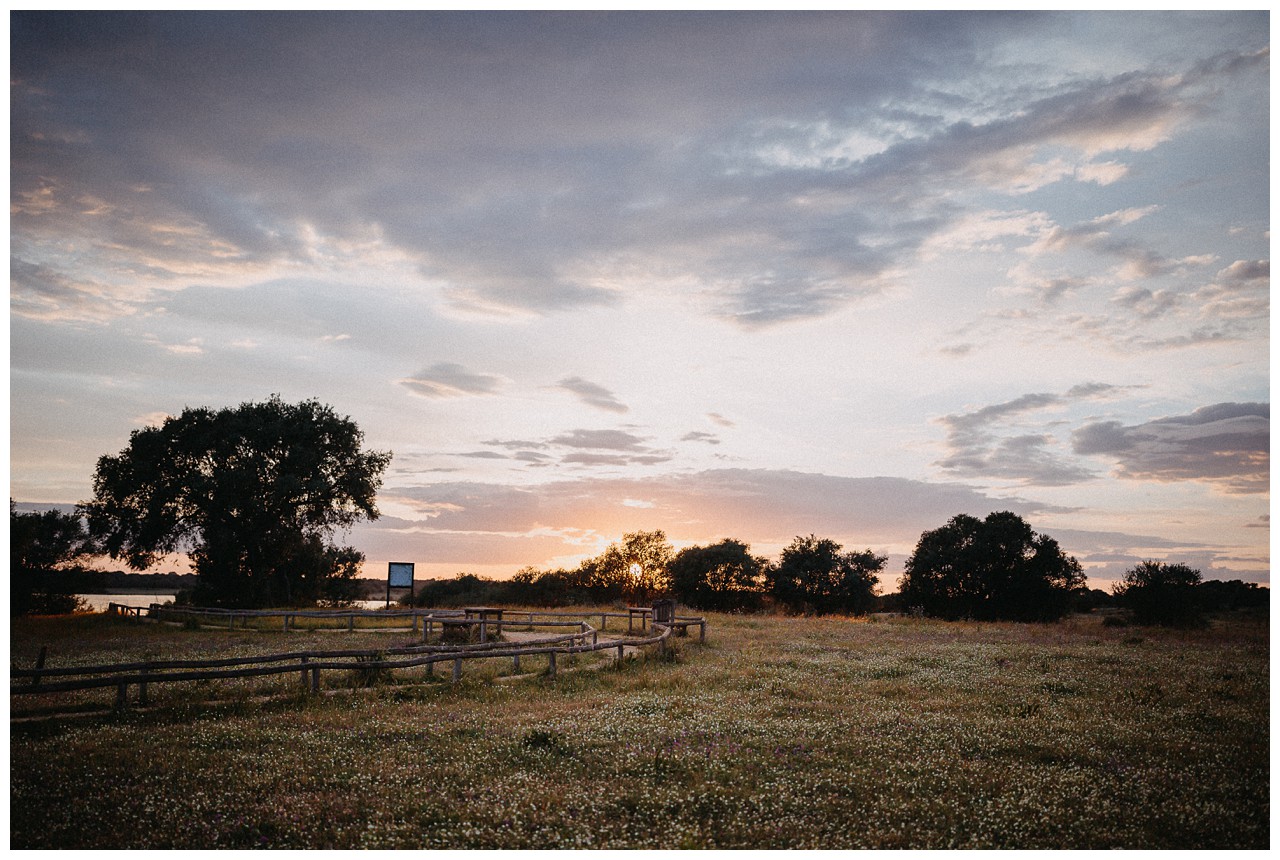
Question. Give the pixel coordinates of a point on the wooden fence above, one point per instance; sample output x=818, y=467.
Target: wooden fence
x=420, y=619
x=309, y=664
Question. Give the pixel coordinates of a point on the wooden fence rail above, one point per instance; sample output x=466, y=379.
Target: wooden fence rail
x=309, y=664
x=426, y=619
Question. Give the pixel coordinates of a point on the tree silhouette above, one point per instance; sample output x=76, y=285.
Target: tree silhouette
x=814, y=574
x=41, y=545
x=997, y=568
x=724, y=576
x=1160, y=593
x=251, y=494
x=635, y=568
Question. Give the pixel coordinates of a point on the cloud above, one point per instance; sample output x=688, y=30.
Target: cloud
x=611, y=440
x=47, y=293
x=607, y=448
x=682, y=150
x=700, y=436
x=977, y=447
x=1226, y=445
x=1136, y=260
x=1245, y=273
x=1241, y=291
x=758, y=505
x=451, y=380
x=1146, y=303
x=592, y=394
x=582, y=447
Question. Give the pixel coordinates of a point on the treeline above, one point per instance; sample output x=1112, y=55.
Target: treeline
x=969, y=568
x=812, y=575
x=87, y=581
x=995, y=568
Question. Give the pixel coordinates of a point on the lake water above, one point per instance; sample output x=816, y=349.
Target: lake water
x=98, y=602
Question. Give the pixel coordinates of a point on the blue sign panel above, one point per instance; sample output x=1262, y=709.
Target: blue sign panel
x=400, y=574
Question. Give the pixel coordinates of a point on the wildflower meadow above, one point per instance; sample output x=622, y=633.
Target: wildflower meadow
x=778, y=732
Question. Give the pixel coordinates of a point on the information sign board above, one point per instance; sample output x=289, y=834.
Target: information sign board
x=400, y=574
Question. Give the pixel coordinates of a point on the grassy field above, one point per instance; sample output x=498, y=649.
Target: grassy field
x=777, y=733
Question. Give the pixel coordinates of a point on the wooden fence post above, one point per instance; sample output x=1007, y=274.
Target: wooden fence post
x=44, y=652
x=619, y=655
x=351, y=622
x=457, y=669
x=305, y=661
x=315, y=679
x=552, y=668
x=122, y=696
x=515, y=665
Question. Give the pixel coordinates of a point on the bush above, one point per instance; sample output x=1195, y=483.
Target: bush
x=1161, y=594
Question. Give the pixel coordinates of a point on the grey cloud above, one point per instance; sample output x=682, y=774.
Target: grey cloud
x=514, y=444
x=700, y=436
x=1239, y=292
x=1146, y=303
x=1055, y=289
x=451, y=380
x=42, y=292
x=510, y=153
x=1245, y=272
x=582, y=447
x=757, y=505
x=1138, y=261
x=592, y=394
x=718, y=419
x=977, y=449
x=590, y=459
x=1103, y=545
x=1094, y=389
x=1028, y=459
x=1226, y=445
x=612, y=440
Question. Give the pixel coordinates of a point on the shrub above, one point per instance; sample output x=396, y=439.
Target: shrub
x=1161, y=594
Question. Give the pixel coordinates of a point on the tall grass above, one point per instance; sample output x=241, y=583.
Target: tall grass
x=778, y=733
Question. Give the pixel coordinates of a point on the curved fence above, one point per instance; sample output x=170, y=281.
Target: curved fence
x=420, y=619
x=309, y=664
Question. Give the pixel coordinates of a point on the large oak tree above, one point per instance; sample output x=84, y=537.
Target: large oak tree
x=994, y=568
x=252, y=494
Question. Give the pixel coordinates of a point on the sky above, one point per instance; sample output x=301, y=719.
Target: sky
x=727, y=275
